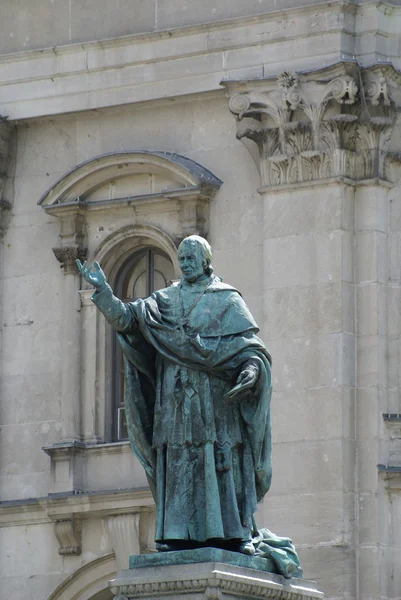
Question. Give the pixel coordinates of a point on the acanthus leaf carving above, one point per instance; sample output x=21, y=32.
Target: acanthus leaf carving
x=67, y=255
x=322, y=124
x=299, y=136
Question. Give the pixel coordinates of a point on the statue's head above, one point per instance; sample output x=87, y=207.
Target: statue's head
x=194, y=256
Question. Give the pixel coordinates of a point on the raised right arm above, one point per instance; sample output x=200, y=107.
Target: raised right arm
x=116, y=312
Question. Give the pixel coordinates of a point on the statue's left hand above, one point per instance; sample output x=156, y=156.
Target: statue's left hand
x=248, y=376
x=92, y=274
x=245, y=381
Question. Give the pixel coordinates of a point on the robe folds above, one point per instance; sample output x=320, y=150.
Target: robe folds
x=208, y=461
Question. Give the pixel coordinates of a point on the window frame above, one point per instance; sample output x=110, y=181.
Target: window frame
x=117, y=369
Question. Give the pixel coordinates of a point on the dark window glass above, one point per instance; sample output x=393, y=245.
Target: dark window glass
x=142, y=273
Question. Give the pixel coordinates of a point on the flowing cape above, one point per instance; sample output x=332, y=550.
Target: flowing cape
x=223, y=337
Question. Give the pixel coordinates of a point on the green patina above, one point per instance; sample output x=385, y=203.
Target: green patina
x=197, y=397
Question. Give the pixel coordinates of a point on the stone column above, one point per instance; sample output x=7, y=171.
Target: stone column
x=91, y=426
x=71, y=345
x=321, y=144
x=71, y=248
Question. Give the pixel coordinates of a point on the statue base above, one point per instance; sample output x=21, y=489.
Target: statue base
x=206, y=573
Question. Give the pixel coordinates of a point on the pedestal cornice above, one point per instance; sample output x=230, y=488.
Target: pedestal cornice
x=211, y=580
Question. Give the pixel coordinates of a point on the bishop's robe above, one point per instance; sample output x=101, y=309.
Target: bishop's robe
x=208, y=462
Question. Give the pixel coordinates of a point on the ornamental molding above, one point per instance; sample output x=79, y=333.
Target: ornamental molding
x=67, y=255
x=214, y=581
x=5, y=205
x=68, y=533
x=330, y=123
x=124, y=531
x=128, y=185
x=189, y=177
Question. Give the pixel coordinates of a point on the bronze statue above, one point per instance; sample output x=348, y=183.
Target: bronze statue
x=197, y=398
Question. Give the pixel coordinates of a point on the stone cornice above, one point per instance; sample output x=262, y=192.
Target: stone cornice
x=85, y=505
x=327, y=123
x=110, y=72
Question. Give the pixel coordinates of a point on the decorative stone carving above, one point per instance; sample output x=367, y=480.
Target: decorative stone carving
x=376, y=85
x=72, y=234
x=320, y=125
x=124, y=530
x=147, y=525
x=5, y=205
x=176, y=184
x=68, y=255
x=68, y=532
x=209, y=580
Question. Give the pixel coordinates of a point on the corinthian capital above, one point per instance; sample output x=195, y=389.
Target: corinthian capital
x=334, y=122
x=67, y=255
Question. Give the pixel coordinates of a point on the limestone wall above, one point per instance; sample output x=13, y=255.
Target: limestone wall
x=46, y=24
x=317, y=259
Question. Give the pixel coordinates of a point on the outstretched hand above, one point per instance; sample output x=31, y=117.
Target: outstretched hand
x=93, y=274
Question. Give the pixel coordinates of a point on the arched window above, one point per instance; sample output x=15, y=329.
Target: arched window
x=145, y=271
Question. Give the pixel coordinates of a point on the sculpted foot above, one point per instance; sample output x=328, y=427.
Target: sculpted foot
x=247, y=548
x=165, y=547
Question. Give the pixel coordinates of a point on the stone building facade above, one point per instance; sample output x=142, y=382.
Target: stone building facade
x=270, y=127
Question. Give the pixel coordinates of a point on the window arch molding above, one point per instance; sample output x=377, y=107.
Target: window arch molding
x=131, y=185
x=117, y=247
x=87, y=581
x=187, y=174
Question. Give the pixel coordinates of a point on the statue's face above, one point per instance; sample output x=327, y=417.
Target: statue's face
x=191, y=261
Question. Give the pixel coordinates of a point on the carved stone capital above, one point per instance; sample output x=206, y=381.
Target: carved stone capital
x=67, y=256
x=334, y=122
x=68, y=533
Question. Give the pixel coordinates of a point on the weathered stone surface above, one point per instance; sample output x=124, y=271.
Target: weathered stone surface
x=316, y=518
x=91, y=75
x=304, y=311
x=213, y=579
x=332, y=566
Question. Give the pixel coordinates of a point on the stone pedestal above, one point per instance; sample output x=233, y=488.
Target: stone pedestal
x=150, y=579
